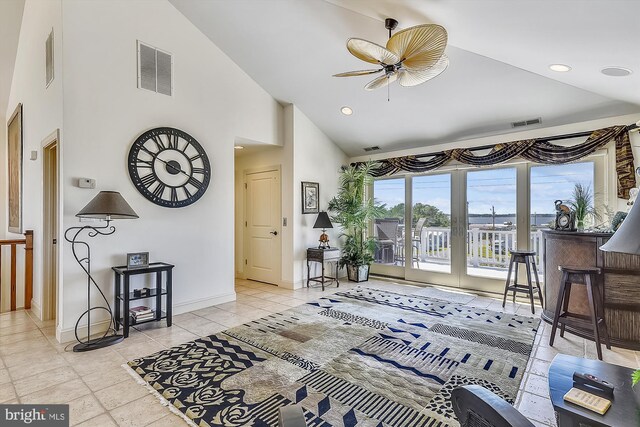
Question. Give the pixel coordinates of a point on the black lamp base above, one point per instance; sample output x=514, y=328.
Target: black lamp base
x=97, y=343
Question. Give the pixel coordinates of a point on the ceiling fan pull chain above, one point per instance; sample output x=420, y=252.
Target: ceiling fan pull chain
x=388, y=88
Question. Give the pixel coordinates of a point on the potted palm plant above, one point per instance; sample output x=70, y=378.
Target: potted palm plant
x=353, y=211
x=582, y=204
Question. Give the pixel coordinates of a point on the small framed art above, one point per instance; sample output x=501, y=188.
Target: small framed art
x=138, y=260
x=310, y=197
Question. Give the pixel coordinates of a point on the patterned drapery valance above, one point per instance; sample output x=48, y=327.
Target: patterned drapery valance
x=534, y=150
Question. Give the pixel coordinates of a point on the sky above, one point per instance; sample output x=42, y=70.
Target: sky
x=494, y=187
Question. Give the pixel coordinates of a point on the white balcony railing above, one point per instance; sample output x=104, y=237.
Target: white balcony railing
x=484, y=248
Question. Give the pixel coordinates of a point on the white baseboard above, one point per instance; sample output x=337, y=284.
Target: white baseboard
x=36, y=309
x=192, y=305
x=67, y=335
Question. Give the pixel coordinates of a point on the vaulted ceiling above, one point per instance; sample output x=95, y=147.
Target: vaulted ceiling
x=500, y=51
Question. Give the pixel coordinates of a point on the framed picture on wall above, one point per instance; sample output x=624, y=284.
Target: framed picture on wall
x=14, y=169
x=310, y=197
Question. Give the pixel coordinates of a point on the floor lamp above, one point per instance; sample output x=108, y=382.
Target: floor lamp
x=106, y=206
x=626, y=239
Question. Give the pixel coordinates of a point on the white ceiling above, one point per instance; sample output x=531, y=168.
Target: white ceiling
x=10, y=20
x=500, y=51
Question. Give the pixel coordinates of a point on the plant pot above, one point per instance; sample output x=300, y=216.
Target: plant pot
x=358, y=273
x=580, y=225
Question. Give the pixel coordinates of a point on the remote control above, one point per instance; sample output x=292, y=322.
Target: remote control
x=593, y=382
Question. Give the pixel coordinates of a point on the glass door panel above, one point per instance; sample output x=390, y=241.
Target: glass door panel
x=491, y=221
x=430, y=233
x=387, y=231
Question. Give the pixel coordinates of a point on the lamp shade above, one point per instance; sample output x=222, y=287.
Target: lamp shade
x=107, y=205
x=627, y=238
x=323, y=221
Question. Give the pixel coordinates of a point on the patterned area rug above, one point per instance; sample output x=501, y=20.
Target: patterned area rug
x=363, y=357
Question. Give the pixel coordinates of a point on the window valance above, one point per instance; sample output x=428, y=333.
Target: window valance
x=535, y=150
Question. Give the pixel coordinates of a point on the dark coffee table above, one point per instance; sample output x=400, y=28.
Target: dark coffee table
x=625, y=406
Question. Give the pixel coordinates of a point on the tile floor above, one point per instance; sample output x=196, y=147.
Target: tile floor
x=34, y=368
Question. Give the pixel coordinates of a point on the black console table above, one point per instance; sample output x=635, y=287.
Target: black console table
x=322, y=255
x=124, y=295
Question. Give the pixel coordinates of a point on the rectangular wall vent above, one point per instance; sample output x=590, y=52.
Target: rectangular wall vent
x=374, y=148
x=529, y=122
x=155, y=69
x=49, y=59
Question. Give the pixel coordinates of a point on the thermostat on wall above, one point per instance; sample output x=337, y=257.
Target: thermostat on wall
x=86, y=183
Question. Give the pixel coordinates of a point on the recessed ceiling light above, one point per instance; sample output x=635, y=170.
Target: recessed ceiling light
x=560, y=68
x=616, y=71
x=238, y=147
x=347, y=111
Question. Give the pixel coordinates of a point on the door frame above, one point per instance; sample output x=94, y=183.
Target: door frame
x=245, y=235
x=49, y=289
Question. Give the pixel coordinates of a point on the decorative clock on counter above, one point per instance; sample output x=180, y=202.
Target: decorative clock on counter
x=169, y=167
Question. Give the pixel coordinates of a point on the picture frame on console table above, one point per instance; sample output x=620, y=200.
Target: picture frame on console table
x=138, y=260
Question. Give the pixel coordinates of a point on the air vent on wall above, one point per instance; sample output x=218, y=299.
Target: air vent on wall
x=374, y=148
x=49, y=59
x=154, y=69
x=529, y=122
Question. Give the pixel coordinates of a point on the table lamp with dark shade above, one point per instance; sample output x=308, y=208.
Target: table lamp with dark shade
x=626, y=239
x=323, y=222
x=106, y=206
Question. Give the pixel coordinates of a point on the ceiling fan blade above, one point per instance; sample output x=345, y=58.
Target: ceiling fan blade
x=371, y=52
x=419, y=47
x=357, y=73
x=381, y=81
x=409, y=77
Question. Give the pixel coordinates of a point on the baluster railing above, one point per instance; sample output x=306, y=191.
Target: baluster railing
x=28, y=268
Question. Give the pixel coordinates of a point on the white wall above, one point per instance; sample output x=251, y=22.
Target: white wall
x=307, y=155
x=42, y=114
x=316, y=159
x=214, y=101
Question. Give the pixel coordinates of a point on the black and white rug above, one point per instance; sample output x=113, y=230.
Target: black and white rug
x=363, y=357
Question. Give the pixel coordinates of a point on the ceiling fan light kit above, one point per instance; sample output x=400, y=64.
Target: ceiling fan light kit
x=411, y=56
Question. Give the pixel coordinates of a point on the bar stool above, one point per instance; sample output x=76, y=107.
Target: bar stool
x=528, y=258
x=580, y=276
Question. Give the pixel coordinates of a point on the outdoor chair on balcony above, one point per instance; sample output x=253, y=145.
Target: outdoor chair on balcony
x=385, y=233
x=416, y=241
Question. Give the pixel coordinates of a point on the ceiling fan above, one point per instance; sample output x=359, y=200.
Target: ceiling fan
x=412, y=56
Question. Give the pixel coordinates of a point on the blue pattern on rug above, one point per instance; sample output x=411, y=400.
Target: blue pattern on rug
x=381, y=359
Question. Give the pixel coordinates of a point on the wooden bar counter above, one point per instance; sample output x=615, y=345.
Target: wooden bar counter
x=620, y=281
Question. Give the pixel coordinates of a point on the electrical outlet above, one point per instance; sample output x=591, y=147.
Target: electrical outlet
x=284, y=222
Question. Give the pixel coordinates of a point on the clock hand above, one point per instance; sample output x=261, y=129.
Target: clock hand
x=155, y=156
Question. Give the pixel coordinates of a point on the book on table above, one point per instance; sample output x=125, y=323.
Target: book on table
x=141, y=313
x=587, y=400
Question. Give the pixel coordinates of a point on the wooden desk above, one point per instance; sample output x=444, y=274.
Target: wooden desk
x=322, y=256
x=619, y=283
x=625, y=406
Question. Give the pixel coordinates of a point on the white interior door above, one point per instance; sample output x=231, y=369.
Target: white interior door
x=262, y=226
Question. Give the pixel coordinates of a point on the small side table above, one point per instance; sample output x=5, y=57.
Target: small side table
x=322, y=255
x=124, y=295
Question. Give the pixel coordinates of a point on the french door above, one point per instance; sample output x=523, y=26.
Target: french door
x=457, y=228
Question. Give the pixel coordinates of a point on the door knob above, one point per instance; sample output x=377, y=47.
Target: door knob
x=275, y=233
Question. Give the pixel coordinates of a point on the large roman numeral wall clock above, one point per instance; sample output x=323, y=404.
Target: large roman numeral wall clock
x=169, y=167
